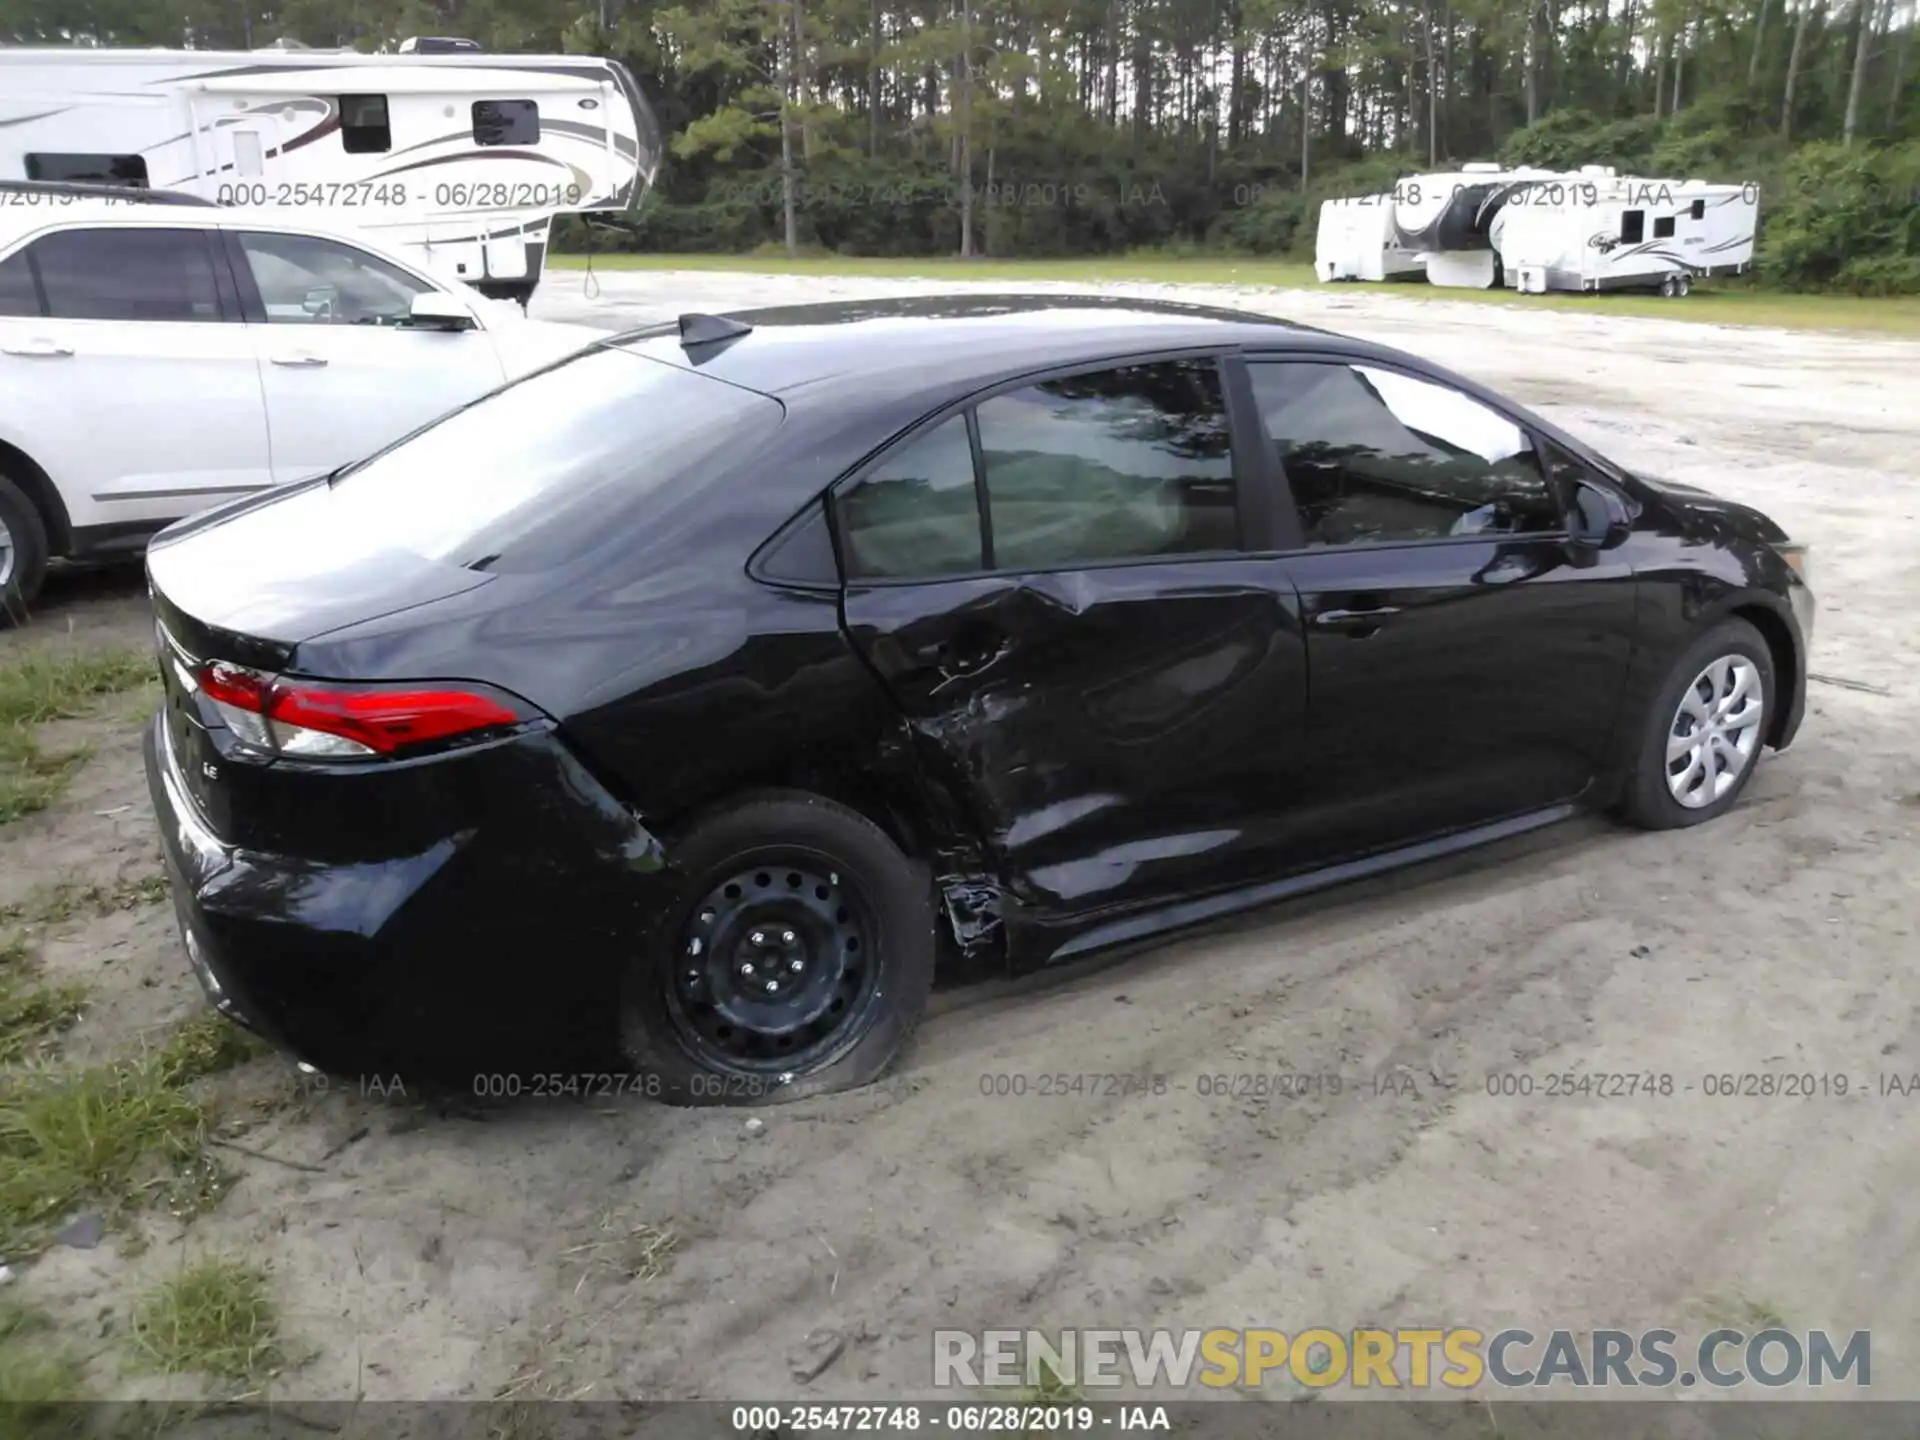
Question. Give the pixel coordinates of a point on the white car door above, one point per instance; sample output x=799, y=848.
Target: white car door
x=344, y=374
x=127, y=375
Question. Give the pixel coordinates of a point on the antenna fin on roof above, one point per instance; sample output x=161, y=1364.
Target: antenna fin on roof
x=709, y=329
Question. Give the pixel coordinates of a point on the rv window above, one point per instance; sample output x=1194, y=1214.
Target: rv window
x=18, y=295
x=1663, y=227
x=1697, y=210
x=1633, y=227
x=506, y=122
x=363, y=125
x=89, y=169
x=304, y=280
x=127, y=274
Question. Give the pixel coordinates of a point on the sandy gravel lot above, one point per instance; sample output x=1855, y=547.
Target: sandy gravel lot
x=423, y=1251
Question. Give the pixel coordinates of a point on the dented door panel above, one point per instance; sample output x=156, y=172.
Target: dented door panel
x=1120, y=732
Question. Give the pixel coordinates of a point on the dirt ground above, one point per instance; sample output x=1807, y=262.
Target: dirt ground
x=421, y=1253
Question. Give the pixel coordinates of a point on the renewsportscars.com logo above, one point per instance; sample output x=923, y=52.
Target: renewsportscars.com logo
x=1366, y=1359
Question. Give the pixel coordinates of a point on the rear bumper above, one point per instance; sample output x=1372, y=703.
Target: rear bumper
x=481, y=953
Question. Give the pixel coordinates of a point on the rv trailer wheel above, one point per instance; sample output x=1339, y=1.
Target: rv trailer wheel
x=1683, y=283
x=1670, y=287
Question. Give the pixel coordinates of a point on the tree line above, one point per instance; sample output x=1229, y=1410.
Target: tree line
x=1059, y=127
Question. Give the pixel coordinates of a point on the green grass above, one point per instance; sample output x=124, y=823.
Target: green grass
x=216, y=1317
x=31, y=1015
x=52, y=683
x=208, y=1044
x=107, y=1137
x=67, y=900
x=1711, y=303
x=38, y=1374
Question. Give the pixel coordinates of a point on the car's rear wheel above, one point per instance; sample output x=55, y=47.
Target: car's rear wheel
x=23, y=552
x=1702, y=738
x=796, y=960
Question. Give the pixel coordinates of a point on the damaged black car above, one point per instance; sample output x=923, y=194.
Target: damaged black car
x=682, y=707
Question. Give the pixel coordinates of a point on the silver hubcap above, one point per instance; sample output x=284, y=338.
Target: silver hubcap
x=1715, y=731
x=6, y=555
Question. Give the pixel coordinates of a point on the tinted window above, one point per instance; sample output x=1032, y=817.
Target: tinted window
x=1633, y=227
x=916, y=512
x=1697, y=210
x=91, y=169
x=17, y=295
x=534, y=475
x=130, y=274
x=1375, y=457
x=363, y=124
x=305, y=280
x=1662, y=227
x=1127, y=462
x=506, y=122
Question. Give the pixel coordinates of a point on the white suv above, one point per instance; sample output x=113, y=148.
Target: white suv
x=156, y=359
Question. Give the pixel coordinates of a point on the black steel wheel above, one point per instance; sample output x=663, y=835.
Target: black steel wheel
x=776, y=964
x=798, y=959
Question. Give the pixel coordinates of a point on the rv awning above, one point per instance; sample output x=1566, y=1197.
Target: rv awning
x=416, y=79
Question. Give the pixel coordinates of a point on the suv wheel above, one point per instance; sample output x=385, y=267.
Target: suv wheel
x=23, y=552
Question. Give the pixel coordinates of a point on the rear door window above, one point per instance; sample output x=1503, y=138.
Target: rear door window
x=17, y=293
x=128, y=273
x=541, y=471
x=916, y=512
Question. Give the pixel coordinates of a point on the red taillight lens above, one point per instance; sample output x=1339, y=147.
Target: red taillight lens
x=297, y=718
x=385, y=720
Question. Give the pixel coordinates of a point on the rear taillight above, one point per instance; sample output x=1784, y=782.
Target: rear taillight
x=331, y=721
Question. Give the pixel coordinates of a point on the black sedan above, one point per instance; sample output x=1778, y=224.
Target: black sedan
x=673, y=712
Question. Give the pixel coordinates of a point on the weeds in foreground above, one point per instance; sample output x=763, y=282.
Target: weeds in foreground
x=51, y=683
x=216, y=1317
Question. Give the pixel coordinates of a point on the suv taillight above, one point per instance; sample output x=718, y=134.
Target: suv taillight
x=323, y=720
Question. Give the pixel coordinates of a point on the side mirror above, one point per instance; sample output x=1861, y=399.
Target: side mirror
x=437, y=310
x=1597, y=519
x=319, y=301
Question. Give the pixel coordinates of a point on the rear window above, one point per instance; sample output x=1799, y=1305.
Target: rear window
x=535, y=474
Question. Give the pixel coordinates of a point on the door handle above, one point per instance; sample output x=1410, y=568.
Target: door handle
x=40, y=349
x=1359, y=623
x=300, y=361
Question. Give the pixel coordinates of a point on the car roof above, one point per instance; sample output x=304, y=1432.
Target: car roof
x=911, y=348
x=41, y=212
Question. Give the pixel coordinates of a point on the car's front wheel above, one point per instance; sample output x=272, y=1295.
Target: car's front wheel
x=796, y=960
x=1702, y=737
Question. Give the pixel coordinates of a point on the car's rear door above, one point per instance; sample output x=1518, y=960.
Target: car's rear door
x=127, y=375
x=1052, y=586
x=344, y=374
x=1466, y=658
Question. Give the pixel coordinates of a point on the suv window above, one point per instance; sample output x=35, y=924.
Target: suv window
x=305, y=280
x=127, y=274
x=17, y=293
x=1375, y=457
x=917, y=512
x=506, y=122
x=1133, y=461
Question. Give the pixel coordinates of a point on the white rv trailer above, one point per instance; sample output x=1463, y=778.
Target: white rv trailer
x=1451, y=220
x=465, y=157
x=1354, y=241
x=1602, y=231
